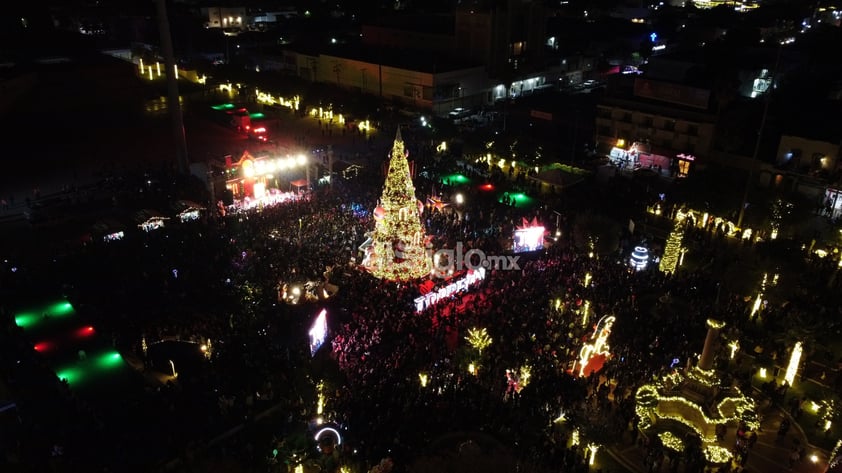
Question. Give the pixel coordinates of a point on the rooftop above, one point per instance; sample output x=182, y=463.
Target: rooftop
x=422, y=61
x=428, y=23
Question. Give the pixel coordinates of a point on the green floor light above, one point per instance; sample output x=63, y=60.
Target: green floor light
x=455, y=179
x=72, y=375
x=109, y=360
x=32, y=318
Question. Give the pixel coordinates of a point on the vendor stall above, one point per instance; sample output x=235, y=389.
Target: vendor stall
x=187, y=210
x=148, y=220
x=108, y=230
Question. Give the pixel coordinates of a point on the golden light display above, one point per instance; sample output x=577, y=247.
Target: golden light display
x=599, y=345
x=320, y=402
x=794, y=361
x=424, y=378
x=266, y=98
x=673, y=249
x=671, y=441
x=734, y=346
x=585, y=311
x=652, y=405
x=478, y=338
x=717, y=454
x=524, y=376
x=397, y=252
x=592, y=449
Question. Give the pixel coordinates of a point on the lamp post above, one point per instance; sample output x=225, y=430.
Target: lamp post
x=760, y=130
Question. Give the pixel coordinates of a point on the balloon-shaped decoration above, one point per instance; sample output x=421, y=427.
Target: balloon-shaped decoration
x=420, y=207
x=379, y=212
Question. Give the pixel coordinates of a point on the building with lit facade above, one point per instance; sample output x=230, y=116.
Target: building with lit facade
x=809, y=166
x=470, y=58
x=656, y=124
x=423, y=80
x=234, y=18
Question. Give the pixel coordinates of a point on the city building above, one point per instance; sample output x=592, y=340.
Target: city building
x=508, y=37
x=227, y=18
x=810, y=167
x=659, y=125
x=423, y=80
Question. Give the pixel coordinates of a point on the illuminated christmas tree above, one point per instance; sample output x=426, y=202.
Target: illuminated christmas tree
x=397, y=251
x=673, y=249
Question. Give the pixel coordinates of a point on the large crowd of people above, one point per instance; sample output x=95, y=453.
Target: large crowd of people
x=219, y=280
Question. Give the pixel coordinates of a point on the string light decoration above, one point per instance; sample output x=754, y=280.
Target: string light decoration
x=397, y=252
x=716, y=454
x=673, y=249
x=651, y=405
x=671, y=441
x=835, y=456
x=320, y=401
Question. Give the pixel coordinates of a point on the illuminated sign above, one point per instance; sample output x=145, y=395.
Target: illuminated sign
x=318, y=332
x=430, y=299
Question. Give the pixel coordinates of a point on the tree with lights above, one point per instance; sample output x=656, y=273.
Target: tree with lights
x=479, y=339
x=673, y=249
x=397, y=251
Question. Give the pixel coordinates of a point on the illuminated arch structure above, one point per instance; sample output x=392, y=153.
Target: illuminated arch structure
x=325, y=431
x=693, y=399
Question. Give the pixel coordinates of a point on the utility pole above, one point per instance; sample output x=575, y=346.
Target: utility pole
x=760, y=130
x=182, y=161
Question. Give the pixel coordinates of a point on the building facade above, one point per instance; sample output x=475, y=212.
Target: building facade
x=660, y=124
x=436, y=89
x=234, y=18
